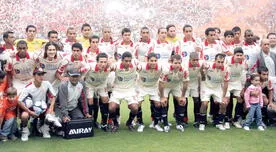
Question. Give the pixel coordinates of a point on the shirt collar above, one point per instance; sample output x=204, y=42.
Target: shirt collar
x=246, y=44
x=206, y=43
x=148, y=41
x=171, y=68
x=265, y=54
x=97, y=68
x=186, y=40
x=158, y=42
x=80, y=59
x=18, y=58
x=233, y=60
x=122, y=66
x=156, y=67
x=89, y=50
x=111, y=41
x=131, y=43
x=214, y=66
x=191, y=66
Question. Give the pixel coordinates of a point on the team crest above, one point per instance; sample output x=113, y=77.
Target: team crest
x=17, y=71
x=42, y=65
x=206, y=57
x=184, y=54
x=158, y=56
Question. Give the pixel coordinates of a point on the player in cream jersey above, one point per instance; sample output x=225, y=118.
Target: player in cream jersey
x=96, y=83
x=144, y=45
x=124, y=89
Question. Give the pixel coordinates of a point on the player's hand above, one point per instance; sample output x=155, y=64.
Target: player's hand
x=163, y=101
x=224, y=100
x=66, y=119
x=88, y=115
x=182, y=101
x=33, y=114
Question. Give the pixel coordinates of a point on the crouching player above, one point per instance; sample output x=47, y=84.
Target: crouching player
x=174, y=79
x=8, y=108
x=149, y=74
x=214, y=83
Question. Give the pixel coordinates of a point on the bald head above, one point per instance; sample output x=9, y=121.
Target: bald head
x=265, y=45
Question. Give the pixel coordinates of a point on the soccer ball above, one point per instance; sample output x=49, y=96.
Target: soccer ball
x=28, y=102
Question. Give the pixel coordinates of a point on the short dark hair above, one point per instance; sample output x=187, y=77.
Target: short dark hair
x=52, y=32
x=209, y=29
x=151, y=55
x=2, y=74
x=30, y=26
x=186, y=26
x=11, y=91
x=6, y=34
x=158, y=31
x=126, y=30
x=228, y=32
x=236, y=29
x=248, y=30
x=85, y=25
x=77, y=45
x=47, y=46
x=269, y=34
x=238, y=50
x=126, y=55
x=69, y=28
x=176, y=57
x=21, y=42
x=169, y=26
x=94, y=37
x=262, y=69
x=101, y=55
x=220, y=55
x=144, y=28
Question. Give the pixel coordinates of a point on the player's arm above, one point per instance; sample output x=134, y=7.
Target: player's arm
x=22, y=106
x=52, y=95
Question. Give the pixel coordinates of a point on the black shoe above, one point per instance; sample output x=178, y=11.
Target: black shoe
x=104, y=127
x=114, y=128
x=131, y=128
x=97, y=125
x=196, y=124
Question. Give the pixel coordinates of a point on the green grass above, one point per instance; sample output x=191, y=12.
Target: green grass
x=213, y=140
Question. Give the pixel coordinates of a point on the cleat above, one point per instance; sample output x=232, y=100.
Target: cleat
x=140, y=128
x=180, y=128
x=261, y=128
x=151, y=124
x=220, y=127
x=237, y=124
x=246, y=128
x=166, y=128
x=158, y=128
x=201, y=127
x=44, y=129
x=227, y=125
x=25, y=134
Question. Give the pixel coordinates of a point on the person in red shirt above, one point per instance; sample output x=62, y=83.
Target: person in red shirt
x=8, y=108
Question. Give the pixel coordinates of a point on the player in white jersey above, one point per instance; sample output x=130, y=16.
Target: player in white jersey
x=237, y=36
x=194, y=68
x=124, y=89
x=215, y=77
x=93, y=50
x=272, y=41
x=149, y=74
x=71, y=38
x=50, y=61
x=125, y=45
x=106, y=44
x=144, y=45
x=7, y=49
x=74, y=59
x=21, y=67
x=162, y=48
x=96, y=83
x=251, y=50
x=228, y=43
x=237, y=68
x=174, y=79
x=39, y=96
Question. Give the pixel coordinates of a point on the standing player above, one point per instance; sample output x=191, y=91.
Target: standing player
x=124, y=89
x=237, y=36
x=124, y=45
x=7, y=49
x=171, y=34
x=106, y=44
x=69, y=41
x=215, y=77
x=228, y=43
x=93, y=50
x=174, y=79
x=144, y=45
x=86, y=31
x=272, y=41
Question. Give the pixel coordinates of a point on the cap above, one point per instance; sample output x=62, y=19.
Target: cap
x=39, y=71
x=73, y=72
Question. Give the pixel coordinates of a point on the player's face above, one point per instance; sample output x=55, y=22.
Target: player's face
x=51, y=51
x=145, y=34
x=188, y=32
x=219, y=63
x=264, y=76
x=171, y=32
x=256, y=81
x=272, y=40
x=194, y=62
x=106, y=33
x=126, y=62
x=71, y=35
x=126, y=36
x=249, y=37
x=237, y=35
x=10, y=39
x=152, y=62
x=176, y=64
x=265, y=45
x=229, y=39
x=22, y=49
x=12, y=98
x=211, y=37
x=86, y=31
x=76, y=53
x=94, y=43
x=102, y=63
x=162, y=34
x=39, y=77
x=53, y=37
x=31, y=32
x=238, y=57
x=74, y=80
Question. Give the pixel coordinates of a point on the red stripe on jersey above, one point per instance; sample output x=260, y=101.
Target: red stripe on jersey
x=206, y=43
x=186, y=40
x=80, y=59
x=214, y=66
x=18, y=58
x=159, y=42
x=28, y=84
x=233, y=61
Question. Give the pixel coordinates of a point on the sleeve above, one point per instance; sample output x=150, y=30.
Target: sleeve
x=247, y=97
x=83, y=100
x=23, y=95
x=62, y=67
x=62, y=97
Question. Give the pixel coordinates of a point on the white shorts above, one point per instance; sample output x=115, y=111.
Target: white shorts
x=20, y=85
x=235, y=88
x=192, y=90
x=206, y=93
x=101, y=91
x=152, y=92
x=110, y=80
x=130, y=96
x=176, y=91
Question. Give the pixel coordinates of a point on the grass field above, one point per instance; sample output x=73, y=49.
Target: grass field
x=211, y=140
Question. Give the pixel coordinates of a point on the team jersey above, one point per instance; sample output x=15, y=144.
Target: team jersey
x=107, y=47
x=121, y=48
x=22, y=68
x=34, y=45
x=124, y=79
x=194, y=71
x=67, y=46
x=228, y=48
x=209, y=51
x=172, y=40
x=251, y=54
x=94, y=77
x=163, y=51
x=37, y=94
x=186, y=47
x=91, y=56
x=84, y=42
x=148, y=77
x=273, y=50
x=214, y=78
x=237, y=71
x=7, y=108
x=173, y=78
x=142, y=48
